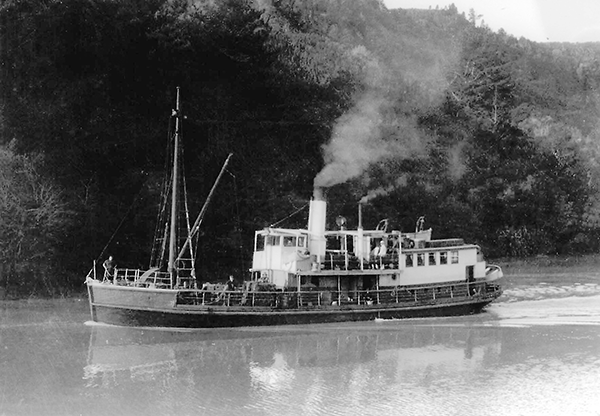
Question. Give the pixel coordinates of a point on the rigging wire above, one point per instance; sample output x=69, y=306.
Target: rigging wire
x=289, y=216
x=121, y=223
x=238, y=221
x=158, y=249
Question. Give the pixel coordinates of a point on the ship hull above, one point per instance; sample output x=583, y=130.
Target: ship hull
x=126, y=306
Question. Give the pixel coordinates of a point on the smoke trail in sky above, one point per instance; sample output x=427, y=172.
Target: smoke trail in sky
x=355, y=143
x=384, y=190
x=363, y=137
x=372, y=131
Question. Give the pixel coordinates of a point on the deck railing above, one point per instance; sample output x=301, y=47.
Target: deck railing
x=325, y=298
x=138, y=278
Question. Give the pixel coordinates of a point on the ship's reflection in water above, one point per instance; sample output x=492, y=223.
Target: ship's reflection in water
x=442, y=367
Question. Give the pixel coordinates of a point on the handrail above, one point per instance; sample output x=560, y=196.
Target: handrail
x=410, y=295
x=137, y=277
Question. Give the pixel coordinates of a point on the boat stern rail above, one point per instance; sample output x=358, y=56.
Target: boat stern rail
x=153, y=278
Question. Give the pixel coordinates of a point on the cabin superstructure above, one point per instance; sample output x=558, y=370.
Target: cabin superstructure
x=350, y=261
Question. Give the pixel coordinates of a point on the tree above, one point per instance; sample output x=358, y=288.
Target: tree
x=33, y=220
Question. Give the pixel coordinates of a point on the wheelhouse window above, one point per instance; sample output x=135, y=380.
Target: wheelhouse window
x=421, y=259
x=273, y=240
x=432, y=259
x=454, y=257
x=444, y=257
x=301, y=241
x=409, y=260
x=260, y=242
x=289, y=241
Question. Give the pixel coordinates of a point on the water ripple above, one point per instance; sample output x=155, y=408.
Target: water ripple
x=544, y=291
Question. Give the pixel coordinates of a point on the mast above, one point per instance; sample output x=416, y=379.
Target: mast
x=174, y=208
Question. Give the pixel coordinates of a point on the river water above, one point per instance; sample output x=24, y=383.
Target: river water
x=535, y=351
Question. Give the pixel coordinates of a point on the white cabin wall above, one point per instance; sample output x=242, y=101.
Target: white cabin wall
x=480, y=269
x=280, y=278
x=269, y=258
x=430, y=274
x=259, y=260
x=438, y=273
x=390, y=280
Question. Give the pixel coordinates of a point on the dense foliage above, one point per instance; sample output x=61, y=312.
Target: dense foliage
x=417, y=112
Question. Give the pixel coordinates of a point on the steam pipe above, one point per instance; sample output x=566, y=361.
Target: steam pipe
x=360, y=242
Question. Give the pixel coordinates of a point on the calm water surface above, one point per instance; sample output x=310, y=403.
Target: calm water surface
x=536, y=351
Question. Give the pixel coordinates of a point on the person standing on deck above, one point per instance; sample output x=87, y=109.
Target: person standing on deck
x=109, y=267
x=378, y=253
x=382, y=249
x=230, y=285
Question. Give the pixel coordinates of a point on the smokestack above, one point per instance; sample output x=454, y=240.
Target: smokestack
x=316, y=224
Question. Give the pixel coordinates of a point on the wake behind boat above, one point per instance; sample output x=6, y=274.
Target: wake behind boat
x=298, y=276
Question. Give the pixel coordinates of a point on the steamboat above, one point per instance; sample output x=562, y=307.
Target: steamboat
x=298, y=276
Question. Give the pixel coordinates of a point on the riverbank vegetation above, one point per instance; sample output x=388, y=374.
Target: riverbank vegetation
x=416, y=112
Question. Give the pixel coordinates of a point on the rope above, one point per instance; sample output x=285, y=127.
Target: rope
x=157, y=253
x=289, y=216
x=238, y=221
x=120, y=224
x=163, y=192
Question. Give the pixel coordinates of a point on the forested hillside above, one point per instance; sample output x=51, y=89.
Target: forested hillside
x=415, y=112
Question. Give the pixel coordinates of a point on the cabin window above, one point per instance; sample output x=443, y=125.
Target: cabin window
x=301, y=241
x=421, y=259
x=260, y=242
x=444, y=257
x=454, y=257
x=289, y=241
x=409, y=260
x=432, y=259
x=273, y=240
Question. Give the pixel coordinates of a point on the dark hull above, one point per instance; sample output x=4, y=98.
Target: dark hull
x=108, y=305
